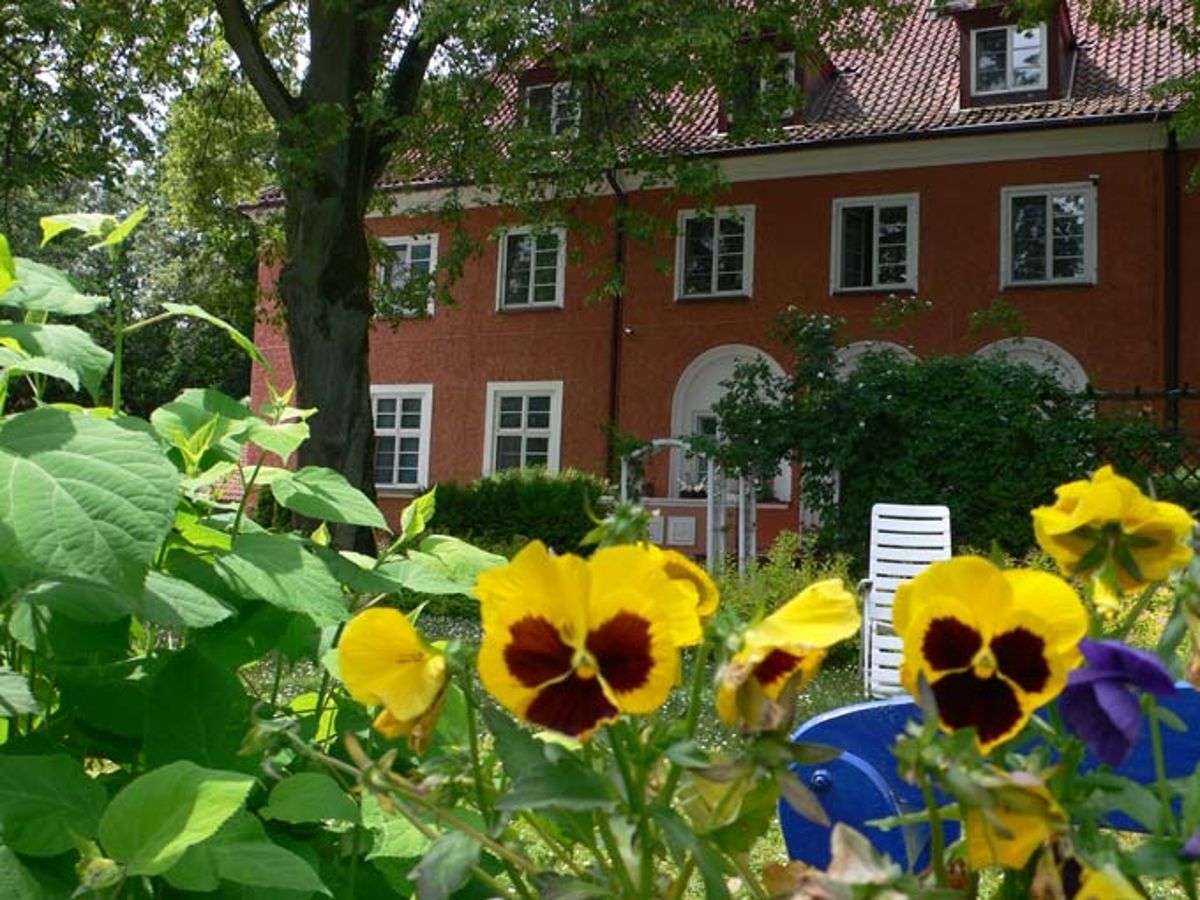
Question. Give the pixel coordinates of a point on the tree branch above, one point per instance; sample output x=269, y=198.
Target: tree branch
x=402, y=89
x=243, y=37
x=265, y=10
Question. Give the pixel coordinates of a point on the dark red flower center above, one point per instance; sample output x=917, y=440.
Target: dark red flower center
x=571, y=706
x=949, y=644
x=778, y=665
x=1021, y=656
x=536, y=653
x=988, y=704
x=621, y=648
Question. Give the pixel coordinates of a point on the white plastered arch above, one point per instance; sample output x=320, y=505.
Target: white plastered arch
x=851, y=355
x=1043, y=355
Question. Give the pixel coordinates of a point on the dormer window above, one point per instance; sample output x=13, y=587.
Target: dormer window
x=552, y=109
x=1008, y=59
x=780, y=80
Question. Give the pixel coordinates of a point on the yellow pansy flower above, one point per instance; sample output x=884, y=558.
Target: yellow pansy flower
x=570, y=644
x=785, y=647
x=384, y=662
x=1108, y=521
x=1106, y=884
x=994, y=645
x=692, y=577
x=1010, y=832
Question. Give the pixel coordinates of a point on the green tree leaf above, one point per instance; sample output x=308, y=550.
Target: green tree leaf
x=309, y=797
x=151, y=823
x=241, y=852
x=209, y=714
x=281, y=570
x=163, y=600
x=15, y=697
x=219, y=418
x=395, y=836
x=282, y=438
x=15, y=364
x=415, y=518
x=195, y=312
x=8, y=266
x=321, y=493
x=45, y=802
x=564, y=784
x=81, y=497
x=91, y=224
x=42, y=288
x=123, y=229
x=16, y=881
x=445, y=866
x=71, y=346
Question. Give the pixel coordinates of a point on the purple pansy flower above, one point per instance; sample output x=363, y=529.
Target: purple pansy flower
x=1099, y=705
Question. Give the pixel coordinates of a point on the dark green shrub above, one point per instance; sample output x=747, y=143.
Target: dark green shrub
x=503, y=511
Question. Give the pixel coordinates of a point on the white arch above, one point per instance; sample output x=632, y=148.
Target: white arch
x=851, y=355
x=1045, y=356
x=698, y=390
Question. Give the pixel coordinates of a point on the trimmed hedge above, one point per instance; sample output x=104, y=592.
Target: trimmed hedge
x=503, y=511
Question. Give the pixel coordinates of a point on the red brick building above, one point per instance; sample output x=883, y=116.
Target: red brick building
x=967, y=160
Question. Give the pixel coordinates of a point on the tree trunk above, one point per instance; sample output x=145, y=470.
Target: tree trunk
x=324, y=290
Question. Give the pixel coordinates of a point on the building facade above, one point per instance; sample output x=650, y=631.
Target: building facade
x=970, y=159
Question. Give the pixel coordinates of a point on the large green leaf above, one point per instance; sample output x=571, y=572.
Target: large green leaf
x=196, y=312
x=197, y=710
x=42, y=288
x=163, y=600
x=282, y=438
x=445, y=866
x=15, y=696
x=81, y=497
x=309, y=797
x=199, y=419
x=71, y=346
x=241, y=852
x=91, y=224
x=16, y=364
x=124, y=228
x=441, y=565
x=109, y=699
x=45, y=802
x=415, y=518
x=8, y=266
x=394, y=835
x=151, y=823
x=564, y=784
x=321, y=493
x=281, y=570
x=16, y=881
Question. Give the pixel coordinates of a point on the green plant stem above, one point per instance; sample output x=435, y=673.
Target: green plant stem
x=1189, y=881
x=689, y=865
x=743, y=868
x=278, y=678
x=246, y=487
x=114, y=256
x=1160, y=765
x=1139, y=607
x=150, y=320
x=614, y=853
x=937, y=840
x=620, y=737
x=556, y=848
x=691, y=718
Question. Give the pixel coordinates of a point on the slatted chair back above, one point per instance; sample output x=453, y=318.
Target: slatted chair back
x=904, y=540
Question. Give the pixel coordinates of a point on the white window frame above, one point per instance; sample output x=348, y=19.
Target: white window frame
x=498, y=389
x=746, y=214
x=399, y=392
x=560, y=269
x=1090, y=256
x=1009, y=88
x=789, y=66
x=560, y=98
x=912, y=202
x=407, y=241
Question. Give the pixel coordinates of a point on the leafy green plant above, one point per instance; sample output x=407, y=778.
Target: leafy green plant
x=503, y=511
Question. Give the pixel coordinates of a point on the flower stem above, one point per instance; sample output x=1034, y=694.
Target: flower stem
x=614, y=853
x=691, y=717
x=619, y=736
x=1160, y=765
x=937, y=840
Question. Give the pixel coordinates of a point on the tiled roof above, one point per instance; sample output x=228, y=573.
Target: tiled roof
x=909, y=87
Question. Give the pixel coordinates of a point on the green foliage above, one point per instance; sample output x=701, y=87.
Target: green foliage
x=505, y=510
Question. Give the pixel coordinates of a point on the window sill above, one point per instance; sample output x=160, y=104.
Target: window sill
x=1043, y=285
x=705, y=298
x=886, y=291
x=529, y=307
x=393, y=490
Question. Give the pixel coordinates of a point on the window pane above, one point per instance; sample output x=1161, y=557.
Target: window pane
x=518, y=267
x=991, y=51
x=857, y=230
x=1028, y=238
x=385, y=459
x=566, y=107
x=698, y=256
x=1027, y=58
x=537, y=451
x=539, y=413
x=538, y=101
x=385, y=412
x=508, y=452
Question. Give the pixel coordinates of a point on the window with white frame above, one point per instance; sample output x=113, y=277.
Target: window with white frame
x=524, y=425
x=403, y=413
x=780, y=80
x=532, y=266
x=1008, y=58
x=1048, y=234
x=875, y=243
x=404, y=261
x=552, y=108
x=714, y=253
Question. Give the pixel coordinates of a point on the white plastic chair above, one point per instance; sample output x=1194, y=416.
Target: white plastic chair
x=904, y=540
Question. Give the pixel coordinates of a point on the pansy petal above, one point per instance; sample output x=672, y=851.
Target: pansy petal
x=962, y=577
x=1052, y=607
x=941, y=635
x=517, y=660
x=679, y=568
x=637, y=660
x=536, y=584
x=989, y=705
x=1114, y=660
x=632, y=578
x=819, y=616
x=384, y=662
x=574, y=706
